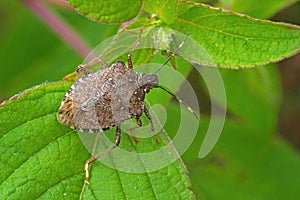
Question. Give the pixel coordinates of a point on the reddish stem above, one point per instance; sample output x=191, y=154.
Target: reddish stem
x=58, y=26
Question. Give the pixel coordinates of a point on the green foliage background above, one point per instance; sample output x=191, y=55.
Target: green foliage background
x=250, y=161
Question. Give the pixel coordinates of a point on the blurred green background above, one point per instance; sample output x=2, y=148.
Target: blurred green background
x=263, y=103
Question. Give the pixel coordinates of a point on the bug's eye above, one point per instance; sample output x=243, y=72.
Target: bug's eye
x=146, y=89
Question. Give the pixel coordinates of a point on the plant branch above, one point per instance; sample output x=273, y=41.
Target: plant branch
x=58, y=26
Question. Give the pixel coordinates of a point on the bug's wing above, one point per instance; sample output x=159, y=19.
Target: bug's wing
x=104, y=113
x=86, y=121
x=65, y=113
x=100, y=117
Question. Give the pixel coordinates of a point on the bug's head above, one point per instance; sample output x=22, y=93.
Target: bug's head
x=148, y=81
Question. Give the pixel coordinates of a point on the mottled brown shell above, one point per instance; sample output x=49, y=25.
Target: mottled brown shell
x=104, y=99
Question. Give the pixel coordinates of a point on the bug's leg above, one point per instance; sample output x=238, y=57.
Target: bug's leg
x=132, y=138
x=93, y=152
x=138, y=42
x=94, y=158
x=102, y=62
x=147, y=113
x=139, y=124
x=82, y=69
x=97, y=137
x=95, y=61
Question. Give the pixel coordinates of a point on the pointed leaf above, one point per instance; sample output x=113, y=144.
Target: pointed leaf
x=107, y=11
x=234, y=40
x=41, y=158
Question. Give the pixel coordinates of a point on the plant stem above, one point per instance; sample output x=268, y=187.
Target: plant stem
x=58, y=26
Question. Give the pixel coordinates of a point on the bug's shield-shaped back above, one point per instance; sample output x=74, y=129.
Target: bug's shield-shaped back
x=101, y=100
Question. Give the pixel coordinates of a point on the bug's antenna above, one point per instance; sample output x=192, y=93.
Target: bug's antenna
x=172, y=55
x=179, y=100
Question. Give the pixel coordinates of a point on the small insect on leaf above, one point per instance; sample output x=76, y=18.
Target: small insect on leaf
x=105, y=99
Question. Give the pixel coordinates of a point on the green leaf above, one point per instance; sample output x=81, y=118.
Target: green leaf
x=42, y=159
x=234, y=40
x=245, y=164
x=107, y=11
x=39, y=157
x=260, y=9
x=248, y=166
x=165, y=10
x=255, y=100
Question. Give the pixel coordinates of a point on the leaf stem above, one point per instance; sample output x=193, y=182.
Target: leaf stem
x=58, y=26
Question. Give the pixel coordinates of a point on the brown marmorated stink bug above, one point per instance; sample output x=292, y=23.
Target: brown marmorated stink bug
x=99, y=101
